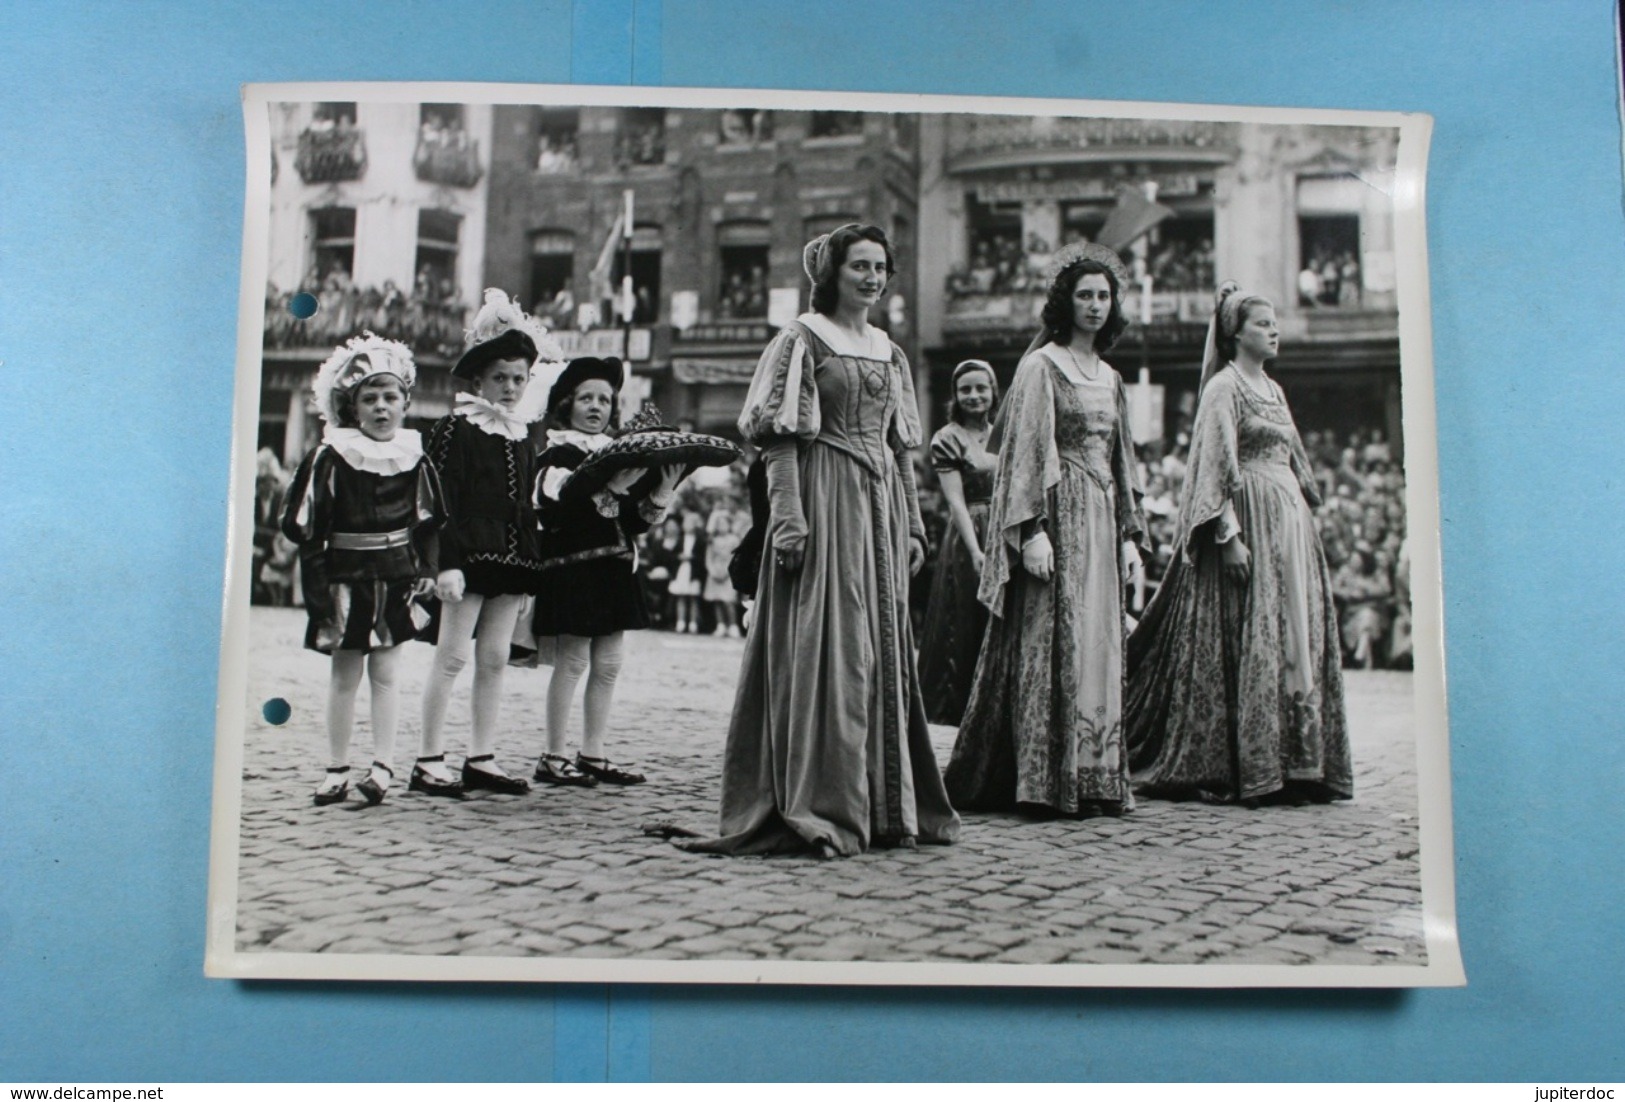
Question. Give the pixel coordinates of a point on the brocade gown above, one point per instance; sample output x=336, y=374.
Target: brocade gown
x=1235, y=690
x=1044, y=725
x=828, y=739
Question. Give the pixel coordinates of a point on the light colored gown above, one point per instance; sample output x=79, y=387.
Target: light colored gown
x=1236, y=690
x=1044, y=725
x=828, y=739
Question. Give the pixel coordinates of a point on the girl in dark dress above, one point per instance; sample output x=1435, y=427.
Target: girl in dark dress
x=589, y=594
x=955, y=620
x=363, y=509
x=490, y=555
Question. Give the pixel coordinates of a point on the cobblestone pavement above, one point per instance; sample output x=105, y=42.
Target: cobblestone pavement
x=566, y=872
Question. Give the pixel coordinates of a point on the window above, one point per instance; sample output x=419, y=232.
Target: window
x=742, y=290
x=332, y=240
x=328, y=116
x=835, y=124
x=642, y=139
x=828, y=223
x=997, y=260
x=436, y=262
x=745, y=126
x=556, y=142
x=1179, y=253
x=441, y=116
x=1329, y=263
x=552, y=272
x=645, y=273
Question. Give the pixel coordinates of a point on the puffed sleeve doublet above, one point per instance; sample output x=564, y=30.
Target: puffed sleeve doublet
x=783, y=397
x=948, y=449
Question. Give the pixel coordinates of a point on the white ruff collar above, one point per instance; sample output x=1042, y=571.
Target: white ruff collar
x=396, y=455
x=492, y=418
x=587, y=442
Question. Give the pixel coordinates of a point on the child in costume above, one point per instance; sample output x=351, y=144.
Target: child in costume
x=489, y=552
x=363, y=509
x=589, y=596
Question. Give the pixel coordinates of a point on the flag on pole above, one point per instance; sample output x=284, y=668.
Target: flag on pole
x=599, y=278
x=1133, y=216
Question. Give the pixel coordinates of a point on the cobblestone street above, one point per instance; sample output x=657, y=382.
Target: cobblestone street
x=566, y=872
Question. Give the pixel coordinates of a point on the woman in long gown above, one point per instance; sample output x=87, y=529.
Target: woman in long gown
x=1044, y=727
x=828, y=750
x=955, y=620
x=1235, y=688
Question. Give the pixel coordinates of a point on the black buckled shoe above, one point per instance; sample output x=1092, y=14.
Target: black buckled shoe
x=476, y=778
x=430, y=785
x=334, y=787
x=560, y=770
x=601, y=769
x=373, y=786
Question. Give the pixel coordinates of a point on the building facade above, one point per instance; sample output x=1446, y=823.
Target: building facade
x=1300, y=214
x=722, y=202
x=378, y=210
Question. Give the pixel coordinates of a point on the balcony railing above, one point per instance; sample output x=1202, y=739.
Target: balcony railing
x=428, y=324
x=331, y=155
x=992, y=135
x=1011, y=311
x=448, y=157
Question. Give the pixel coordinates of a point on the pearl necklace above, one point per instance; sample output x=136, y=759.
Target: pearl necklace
x=1077, y=363
x=1267, y=397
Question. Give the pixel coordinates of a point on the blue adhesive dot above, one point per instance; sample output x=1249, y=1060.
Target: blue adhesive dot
x=302, y=305
x=277, y=711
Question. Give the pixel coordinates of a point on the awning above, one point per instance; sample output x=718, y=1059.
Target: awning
x=737, y=372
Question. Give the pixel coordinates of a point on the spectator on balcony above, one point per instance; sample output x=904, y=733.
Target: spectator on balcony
x=1309, y=285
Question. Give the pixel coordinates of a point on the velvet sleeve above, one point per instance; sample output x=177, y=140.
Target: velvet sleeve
x=440, y=448
x=431, y=516
x=307, y=508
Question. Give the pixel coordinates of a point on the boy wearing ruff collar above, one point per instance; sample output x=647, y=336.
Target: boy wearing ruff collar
x=489, y=555
x=364, y=508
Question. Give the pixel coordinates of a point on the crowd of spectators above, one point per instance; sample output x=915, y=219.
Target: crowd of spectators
x=744, y=294
x=1002, y=263
x=556, y=153
x=683, y=561
x=1362, y=528
x=429, y=319
x=1330, y=279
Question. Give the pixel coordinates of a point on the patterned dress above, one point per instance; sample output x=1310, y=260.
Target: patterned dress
x=1044, y=725
x=828, y=741
x=1235, y=690
x=955, y=620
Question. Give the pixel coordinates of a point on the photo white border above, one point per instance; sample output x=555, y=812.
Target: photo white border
x=1431, y=721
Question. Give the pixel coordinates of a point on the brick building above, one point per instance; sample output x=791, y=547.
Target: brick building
x=723, y=202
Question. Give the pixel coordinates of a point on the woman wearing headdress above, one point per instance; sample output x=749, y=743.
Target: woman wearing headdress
x=1043, y=730
x=828, y=749
x=955, y=620
x=490, y=556
x=1235, y=689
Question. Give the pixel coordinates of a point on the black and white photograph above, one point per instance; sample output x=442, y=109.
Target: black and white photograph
x=746, y=536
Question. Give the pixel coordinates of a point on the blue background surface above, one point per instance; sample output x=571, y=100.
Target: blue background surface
x=121, y=189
